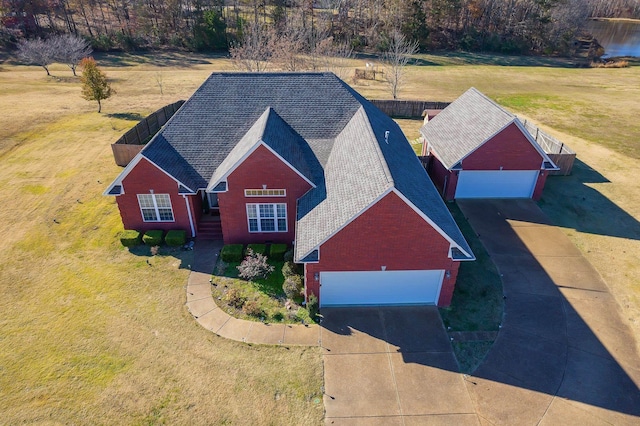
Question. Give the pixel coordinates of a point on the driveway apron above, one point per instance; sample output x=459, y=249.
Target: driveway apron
x=564, y=355
x=391, y=366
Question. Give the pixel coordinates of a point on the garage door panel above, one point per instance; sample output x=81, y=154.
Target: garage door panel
x=496, y=184
x=380, y=287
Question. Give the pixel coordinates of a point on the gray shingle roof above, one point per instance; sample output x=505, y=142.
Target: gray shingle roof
x=274, y=132
x=464, y=125
x=207, y=127
x=321, y=126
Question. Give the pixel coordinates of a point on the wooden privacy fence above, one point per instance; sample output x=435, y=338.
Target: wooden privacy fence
x=407, y=109
x=557, y=151
x=132, y=142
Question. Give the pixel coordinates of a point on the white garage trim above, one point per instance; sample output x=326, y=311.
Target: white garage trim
x=496, y=184
x=380, y=287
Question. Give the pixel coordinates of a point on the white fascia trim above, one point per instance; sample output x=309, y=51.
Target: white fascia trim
x=450, y=255
x=354, y=217
x=131, y=165
x=432, y=223
x=478, y=147
x=536, y=145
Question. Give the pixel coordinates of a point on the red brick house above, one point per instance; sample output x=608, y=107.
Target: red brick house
x=305, y=160
x=480, y=150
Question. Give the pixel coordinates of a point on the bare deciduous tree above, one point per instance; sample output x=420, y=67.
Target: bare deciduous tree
x=288, y=48
x=397, y=57
x=333, y=57
x=69, y=49
x=37, y=52
x=255, y=50
x=159, y=77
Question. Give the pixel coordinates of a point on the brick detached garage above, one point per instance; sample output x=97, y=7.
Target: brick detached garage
x=301, y=159
x=480, y=150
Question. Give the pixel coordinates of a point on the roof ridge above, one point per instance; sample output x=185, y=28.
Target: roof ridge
x=378, y=150
x=494, y=103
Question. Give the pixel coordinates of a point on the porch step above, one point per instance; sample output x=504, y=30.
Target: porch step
x=210, y=230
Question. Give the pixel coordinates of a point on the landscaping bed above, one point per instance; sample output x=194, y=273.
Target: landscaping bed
x=258, y=299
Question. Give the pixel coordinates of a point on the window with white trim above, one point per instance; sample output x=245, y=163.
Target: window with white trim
x=155, y=207
x=265, y=192
x=267, y=217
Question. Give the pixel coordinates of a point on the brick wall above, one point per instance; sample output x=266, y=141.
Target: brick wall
x=141, y=180
x=262, y=167
x=509, y=149
x=390, y=233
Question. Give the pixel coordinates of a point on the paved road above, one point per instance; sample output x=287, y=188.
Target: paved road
x=563, y=356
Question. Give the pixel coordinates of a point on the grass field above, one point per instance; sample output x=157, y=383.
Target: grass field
x=89, y=333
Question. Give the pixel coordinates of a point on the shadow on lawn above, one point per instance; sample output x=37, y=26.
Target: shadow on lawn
x=130, y=116
x=496, y=59
x=158, y=59
x=570, y=203
x=185, y=256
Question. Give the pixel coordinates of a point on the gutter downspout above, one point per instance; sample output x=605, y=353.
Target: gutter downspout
x=193, y=230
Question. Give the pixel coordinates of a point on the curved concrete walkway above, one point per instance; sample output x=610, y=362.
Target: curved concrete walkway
x=205, y=310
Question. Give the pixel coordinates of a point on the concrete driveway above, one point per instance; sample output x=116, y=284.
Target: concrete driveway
x=564, y=355
x=391, y=366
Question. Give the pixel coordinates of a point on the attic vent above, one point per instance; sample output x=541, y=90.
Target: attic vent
x=386, y=137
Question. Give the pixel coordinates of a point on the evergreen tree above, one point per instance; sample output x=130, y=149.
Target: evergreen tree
x=95, y=86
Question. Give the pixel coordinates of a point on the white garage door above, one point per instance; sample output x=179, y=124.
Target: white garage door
x=496, y=184
x=380, y=288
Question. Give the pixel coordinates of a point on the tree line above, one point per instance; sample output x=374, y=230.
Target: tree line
x=508, y=26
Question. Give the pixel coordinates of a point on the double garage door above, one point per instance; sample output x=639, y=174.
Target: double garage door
x=496, y=184
x=380, y=288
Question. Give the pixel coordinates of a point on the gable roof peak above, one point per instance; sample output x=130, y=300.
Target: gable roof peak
x=274, y=132
x=463, y=126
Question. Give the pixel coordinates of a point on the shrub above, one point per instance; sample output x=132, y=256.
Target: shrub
x=234, y=298
x=131, y=238
x=254, y=266
x=292, y=286
x=288, y=255
x=152, y=238
x=277, y=251
x=257, y=248
x=231, y=253
x=312, y=305
x=289, y=269
x=175, y=238
x=252, y=308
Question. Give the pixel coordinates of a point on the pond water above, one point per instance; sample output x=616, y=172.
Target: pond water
x=619, y=38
